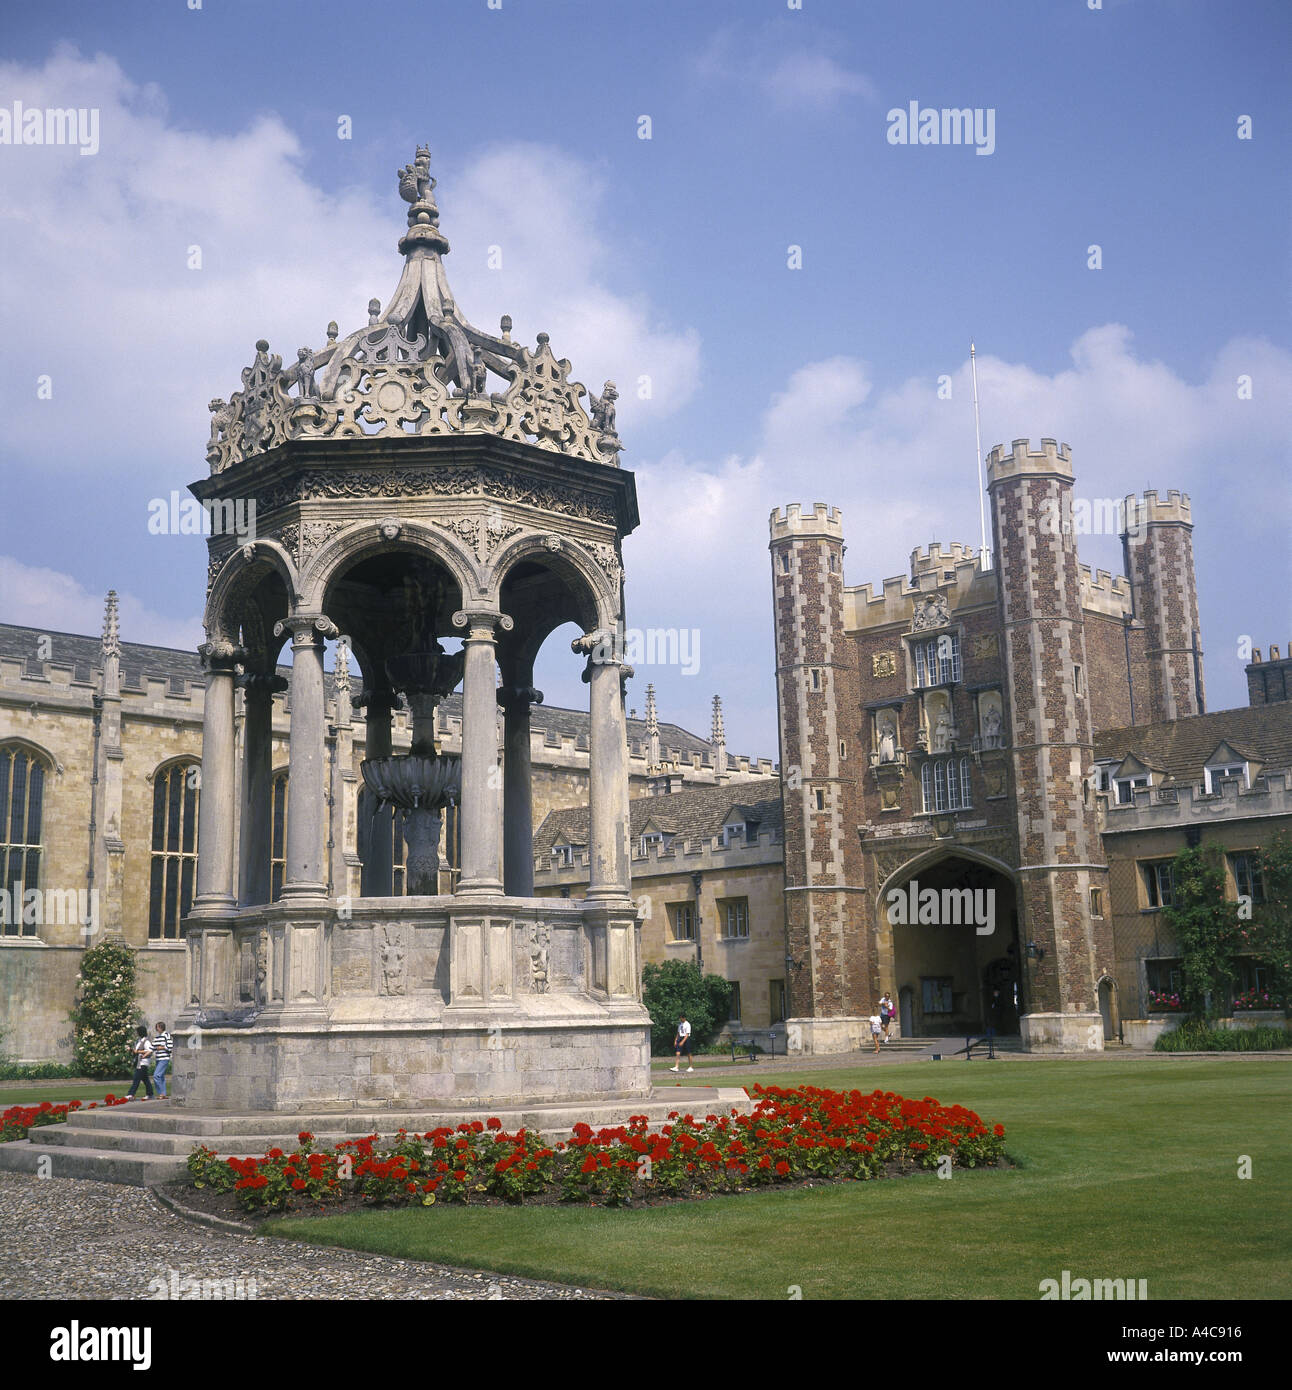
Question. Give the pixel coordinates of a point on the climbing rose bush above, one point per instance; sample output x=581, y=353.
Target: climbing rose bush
x=106, y=1012
x=792, y=1135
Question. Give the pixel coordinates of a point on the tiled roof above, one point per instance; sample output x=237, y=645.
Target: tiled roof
x=694, y=813
x=1181, y=747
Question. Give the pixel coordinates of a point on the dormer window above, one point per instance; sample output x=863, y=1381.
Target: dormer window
x=1103, y=778
x=563, y=856
x=1215, y=775
x=651, y=837
x=1125, y=787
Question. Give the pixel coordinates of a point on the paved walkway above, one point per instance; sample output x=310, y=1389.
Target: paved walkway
x=67, y=1238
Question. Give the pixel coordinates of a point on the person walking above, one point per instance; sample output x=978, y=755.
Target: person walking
x=681, y=1044
x=163, y=1048
x=886, y=1012
x=143, y=1053
x=875, y=1026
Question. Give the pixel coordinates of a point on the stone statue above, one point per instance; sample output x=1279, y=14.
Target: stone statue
x=479, y=375
x=991, y=726
x=602, y=407
x=942, y=733
x=887, y=740
x=303, y=375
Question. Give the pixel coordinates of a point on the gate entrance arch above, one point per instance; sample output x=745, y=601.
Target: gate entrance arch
x=955, y=947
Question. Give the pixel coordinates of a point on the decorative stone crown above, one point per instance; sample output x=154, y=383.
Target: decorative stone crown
x=418, y=368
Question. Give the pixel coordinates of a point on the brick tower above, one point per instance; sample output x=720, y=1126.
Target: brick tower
x=1061, y=859
x=830, y=969
x=1158, y=546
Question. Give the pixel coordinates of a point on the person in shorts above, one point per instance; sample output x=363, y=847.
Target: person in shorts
x=681, y=1044
x=886, y=1012
x=876, y=1026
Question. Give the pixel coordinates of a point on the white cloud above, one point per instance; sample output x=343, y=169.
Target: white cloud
x=797, y=79
x=47, y=599
x=96, y=254
x=814, y=80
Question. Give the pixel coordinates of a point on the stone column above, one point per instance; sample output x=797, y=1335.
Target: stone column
x=608, y=767
x=481, y=784
x=216, y=808
x=517, y=788
x=257, y=786
x=305, y=804
x=378, y=866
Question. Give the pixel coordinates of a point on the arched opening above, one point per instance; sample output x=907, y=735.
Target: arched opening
x=954, y=925
x=1108, y=1008
x=394, y=608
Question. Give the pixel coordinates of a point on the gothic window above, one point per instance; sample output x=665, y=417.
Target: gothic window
x=22, y=796
x=733, y=1007
x=776, y=991
x=1096, y=902
x=278, y=837
x=937, y=661
x=174, y=848
x=945, y=784
x=681, y=918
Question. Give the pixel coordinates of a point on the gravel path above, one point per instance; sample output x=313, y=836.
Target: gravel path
x=66, y=1238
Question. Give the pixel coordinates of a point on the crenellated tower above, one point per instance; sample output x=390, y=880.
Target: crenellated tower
x=830, y=970
x=1157, y=540
x=1060, y=851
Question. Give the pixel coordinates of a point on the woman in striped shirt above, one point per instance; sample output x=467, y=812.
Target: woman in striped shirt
x=162, y=1049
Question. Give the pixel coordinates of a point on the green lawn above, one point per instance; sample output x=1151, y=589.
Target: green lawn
x=1127, y=1170
x=33, y=1093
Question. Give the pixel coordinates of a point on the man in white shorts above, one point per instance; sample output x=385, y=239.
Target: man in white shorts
x=681, y=1044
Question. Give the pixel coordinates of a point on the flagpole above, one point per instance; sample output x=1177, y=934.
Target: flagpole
x=977, y=434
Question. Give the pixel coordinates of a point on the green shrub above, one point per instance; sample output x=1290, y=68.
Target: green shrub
x=1195, y=1036
x=43, y=1071
x=675, y=988
x=106, y=1014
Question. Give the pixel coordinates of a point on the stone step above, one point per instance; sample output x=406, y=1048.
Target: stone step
x=101, y=1165
x=145, y=1141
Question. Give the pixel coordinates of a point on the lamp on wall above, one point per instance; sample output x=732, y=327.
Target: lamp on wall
x=1035, y=952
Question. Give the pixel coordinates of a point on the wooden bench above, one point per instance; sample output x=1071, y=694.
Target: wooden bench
x=972, y=1044
x=745, y=1042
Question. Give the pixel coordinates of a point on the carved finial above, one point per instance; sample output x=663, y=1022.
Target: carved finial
x=111, y=626
x=506, y=328
x=332, y=331
x=543, y=340
x=652, y=718
x=717, y=732
x=374, y=312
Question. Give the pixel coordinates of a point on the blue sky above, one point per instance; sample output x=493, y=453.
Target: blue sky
x=667, y=258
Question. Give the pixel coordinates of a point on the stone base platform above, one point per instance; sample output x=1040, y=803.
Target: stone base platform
x=148, y=1142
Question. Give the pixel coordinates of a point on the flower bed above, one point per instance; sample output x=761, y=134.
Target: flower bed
x=1160, y=1001
x=791, y=1136
x=19, y=1119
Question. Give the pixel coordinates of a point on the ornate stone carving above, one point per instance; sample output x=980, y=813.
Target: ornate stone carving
x=983, y=647
x=418, y=368
x=540, y=941
x=460, y=481
x=932, y=611
x=886, y=736
x=483, y=535
x=606, y=556
x=394, y=971
x=883, y=665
